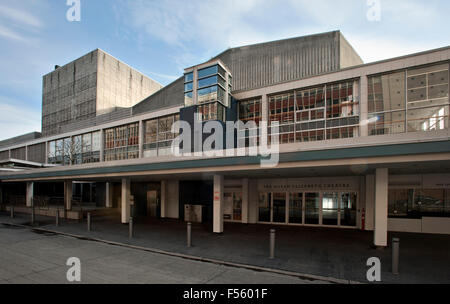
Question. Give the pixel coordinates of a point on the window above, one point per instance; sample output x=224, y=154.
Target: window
x=122, y=142
x=412, y=100
x=416, y=203
x=158, y=135
x=315, y=114
x=208, y=71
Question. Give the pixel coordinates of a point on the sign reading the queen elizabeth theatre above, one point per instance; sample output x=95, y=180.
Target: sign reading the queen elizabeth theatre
x=308, y=184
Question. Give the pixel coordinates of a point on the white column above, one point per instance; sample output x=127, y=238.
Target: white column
x=364, y=106
x=141, y=139
x=109, y=195
x=381, y=207
x=164, y=199
x=102, y=145
x=369, y=206
x=30, y=194
x=218, y=204
x=46, y=153
x=126, y=186
x=245, y=201
x=68, y=195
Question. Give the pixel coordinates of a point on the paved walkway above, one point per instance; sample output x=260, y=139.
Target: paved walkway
x=334, y=253
x=31, y=258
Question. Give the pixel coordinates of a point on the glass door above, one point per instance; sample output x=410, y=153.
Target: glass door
x=330, y=208
x=264, y=207
x=279, y=208
x=237, y=206
x=348, y=209
x=312, y=208
x=296, y=208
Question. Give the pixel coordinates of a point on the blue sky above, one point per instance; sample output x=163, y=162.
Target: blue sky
x=162, y=37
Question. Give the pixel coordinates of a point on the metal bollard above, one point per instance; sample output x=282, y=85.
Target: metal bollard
x=189, y=235
x=272, y=244
x=57, y=218
x=130, y=228
x=395, y=255
x=32, y=215
x=12, y=211
x=89, y=221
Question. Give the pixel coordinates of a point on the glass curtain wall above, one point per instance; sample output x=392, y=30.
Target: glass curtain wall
x=412, y=100
x=122, y=142
x=80, y=149
x=327, y=112
x=250, y=110
x=158, y=135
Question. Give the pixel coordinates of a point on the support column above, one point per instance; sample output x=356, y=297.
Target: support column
x=109, y=195
x=126, y=186
x=30, y=194
x=102, y=145
x=218, y=204
x=364, y=106
x=245, y=201
x=163, y=199
x=141, y=139
x=46, y=153
x=381, y=207
x=68, y=190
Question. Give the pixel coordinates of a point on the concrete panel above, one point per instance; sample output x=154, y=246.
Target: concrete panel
x=436, y=225
x=381, y=207
x=405, y=225
x=172, y=196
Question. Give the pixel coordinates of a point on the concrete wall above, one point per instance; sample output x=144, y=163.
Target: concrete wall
x=36, y=153
x=119, y=85
x=348, y=56
x=20, y=139
x=172, y=196
x=171, y=95
x=92, y=85
x=275, y=62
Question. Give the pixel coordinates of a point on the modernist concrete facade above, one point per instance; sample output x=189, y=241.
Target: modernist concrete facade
x=362, y=146
x=90, y=86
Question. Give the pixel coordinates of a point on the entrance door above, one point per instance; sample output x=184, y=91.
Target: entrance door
x=264, y=207
x=152, y=203
x=312, y=208
x=348, y=209
x=296, y=208
x=330, y=208
x=279, y=208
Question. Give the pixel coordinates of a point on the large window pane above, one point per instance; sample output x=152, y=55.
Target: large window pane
x=264, y=207
x=386, y=92
x=348, y=209
x=330, y=205
x=295, y=208
x=428, y=119
x=279, y=207
x=312, y=208
x=207, y=71
x=387, y=123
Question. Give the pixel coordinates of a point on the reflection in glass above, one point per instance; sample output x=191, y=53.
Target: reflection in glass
x=279, y=207
x=264, y=207
x=312, y=208
x=348, y=209
x=295, y=208
x=330, y=208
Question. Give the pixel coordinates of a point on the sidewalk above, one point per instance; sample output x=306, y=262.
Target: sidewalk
x=334, y=253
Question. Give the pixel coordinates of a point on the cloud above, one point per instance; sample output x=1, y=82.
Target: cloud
x=20, y=16
x=10, y=34
x=17, y=119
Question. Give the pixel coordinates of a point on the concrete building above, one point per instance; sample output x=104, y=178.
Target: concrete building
x=90, y=86
x=362, y=146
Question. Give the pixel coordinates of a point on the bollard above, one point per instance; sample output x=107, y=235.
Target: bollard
x=12, y=211
x=189, y=235
x=395, y=255
x=57, y=218
x=272, y=244
x=130, y=228
x=32, y=215
x=89, y=221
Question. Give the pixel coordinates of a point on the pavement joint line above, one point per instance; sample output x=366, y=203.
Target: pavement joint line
x=303, y=276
